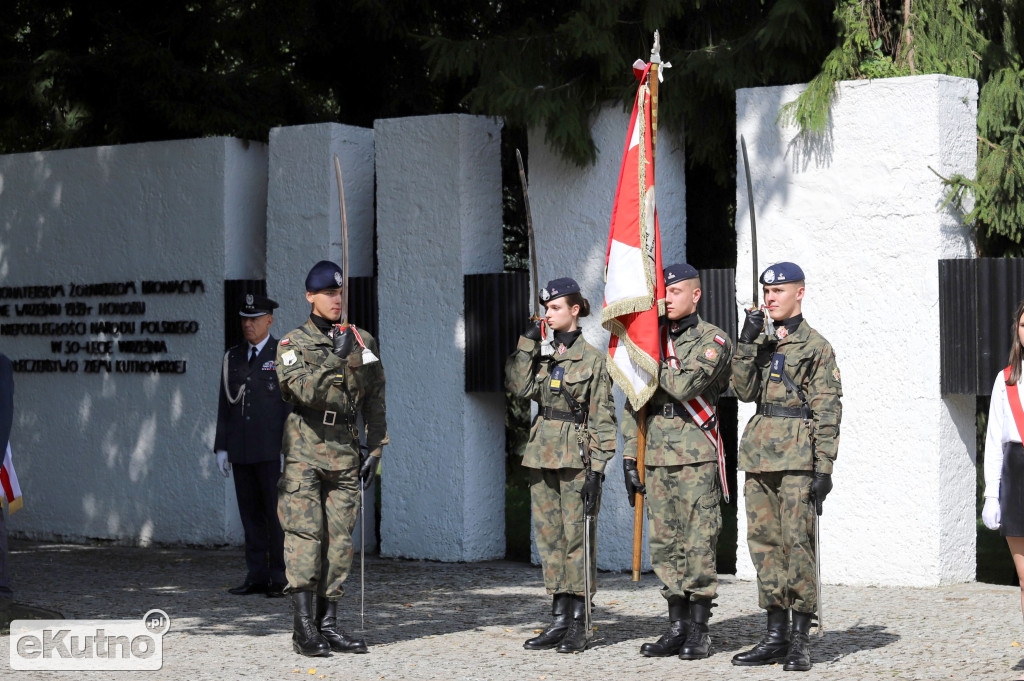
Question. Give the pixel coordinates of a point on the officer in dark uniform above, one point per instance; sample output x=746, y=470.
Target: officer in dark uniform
x=250, y=428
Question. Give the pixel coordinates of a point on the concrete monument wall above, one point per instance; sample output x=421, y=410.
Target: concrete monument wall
x=112, y=262
x=858, y=208
x=572, y=209
x=438, y=219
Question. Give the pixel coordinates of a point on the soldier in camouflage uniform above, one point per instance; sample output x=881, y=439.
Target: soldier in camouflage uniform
x=787, y=451
x=566, y=376
x=683, y=489
x=332, y=374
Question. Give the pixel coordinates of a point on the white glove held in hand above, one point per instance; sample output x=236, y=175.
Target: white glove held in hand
x=223, y=464
x=990, y=515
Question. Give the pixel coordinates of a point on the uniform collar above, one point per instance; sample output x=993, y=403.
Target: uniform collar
x=677, y=327
x=795, y=332
x=572, y=352
x=259, y=346
x=315, y=334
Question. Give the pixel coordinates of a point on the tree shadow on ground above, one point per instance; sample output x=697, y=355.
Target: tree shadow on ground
x=405, y=599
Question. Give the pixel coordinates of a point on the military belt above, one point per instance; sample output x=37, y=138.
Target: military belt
x=777, y=410
x=327, y=417
x=557, y=414
x=673, y=410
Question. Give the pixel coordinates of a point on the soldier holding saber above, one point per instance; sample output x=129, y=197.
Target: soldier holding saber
x=787, y=452
x=571, y=441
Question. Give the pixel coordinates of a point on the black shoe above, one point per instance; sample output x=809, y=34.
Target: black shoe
x=552, y=636
x=773, y=646
x=276, y=590
x=672, y=640
x=576, y=637
x=698, y=640
x=249, y=588
x=338, y=640
x=306, y=640
x=799, y=657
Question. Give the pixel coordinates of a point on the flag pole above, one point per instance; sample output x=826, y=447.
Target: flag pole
x=641, y=439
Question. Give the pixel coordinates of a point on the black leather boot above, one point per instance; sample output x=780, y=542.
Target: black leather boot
x=552, y=636
x=678, y=623
x=306, y=640
x=698, y=640
x=773, y=646
x=575, y=639
x=338, y=640
x=799, y=657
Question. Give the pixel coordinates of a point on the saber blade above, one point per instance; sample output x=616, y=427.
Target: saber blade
x=535, y=291
x=344, y=241
x=753, y=221
x=362, y=556
x=817, y=569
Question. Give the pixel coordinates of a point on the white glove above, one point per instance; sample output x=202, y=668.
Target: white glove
x=223, y=464
x=990, y=515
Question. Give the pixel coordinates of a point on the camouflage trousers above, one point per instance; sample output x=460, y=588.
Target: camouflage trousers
x=318, y=509
x=558, y=528
x=780, y=536
x=683, y=509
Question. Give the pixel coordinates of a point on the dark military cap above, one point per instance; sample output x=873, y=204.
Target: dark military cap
x=557, y=288
x=782, y=273
x=325, y=274
x=679, y=272
x=255, y=305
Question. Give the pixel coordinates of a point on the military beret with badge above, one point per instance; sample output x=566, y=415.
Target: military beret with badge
x=324, y=275
x=782, y=273
x=558, y=288
x=679, y=272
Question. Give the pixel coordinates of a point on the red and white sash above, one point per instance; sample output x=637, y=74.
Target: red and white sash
x=1013, y=397
x=702, y=413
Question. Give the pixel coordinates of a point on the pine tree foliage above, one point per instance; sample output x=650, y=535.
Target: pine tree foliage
x=553, y=66
x=966, y=38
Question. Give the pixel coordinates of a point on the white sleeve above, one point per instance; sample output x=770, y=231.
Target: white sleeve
x=994, y=438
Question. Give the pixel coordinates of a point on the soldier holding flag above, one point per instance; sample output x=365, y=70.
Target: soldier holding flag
x=683, y=466
x=576, y=417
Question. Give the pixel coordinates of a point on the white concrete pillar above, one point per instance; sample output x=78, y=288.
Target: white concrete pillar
x=304, y=221
x=572, y=209
x=858, y=209
x=121, y=447
x=438, y=218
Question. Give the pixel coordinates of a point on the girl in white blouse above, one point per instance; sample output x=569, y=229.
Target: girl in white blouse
x=1004, y=455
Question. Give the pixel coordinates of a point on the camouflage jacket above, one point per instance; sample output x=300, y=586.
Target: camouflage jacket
x=553, y=443
x=774, y=443
x=323, y=389
x=703, y=353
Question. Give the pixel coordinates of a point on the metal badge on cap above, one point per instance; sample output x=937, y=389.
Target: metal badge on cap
x=337, y=278
x=769, y=276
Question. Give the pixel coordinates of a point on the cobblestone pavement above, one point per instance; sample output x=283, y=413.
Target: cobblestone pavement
x=468, y=621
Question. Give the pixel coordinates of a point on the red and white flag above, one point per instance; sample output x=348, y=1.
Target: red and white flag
x=9, y=487
x=634, y=289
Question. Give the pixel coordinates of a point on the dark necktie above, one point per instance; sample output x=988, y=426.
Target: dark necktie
x=252, y=357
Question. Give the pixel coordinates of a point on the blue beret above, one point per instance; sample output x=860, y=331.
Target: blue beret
x=679, y=272
x=782, y=273
x=557, y=288
x=325, y=274
x=255, y=305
